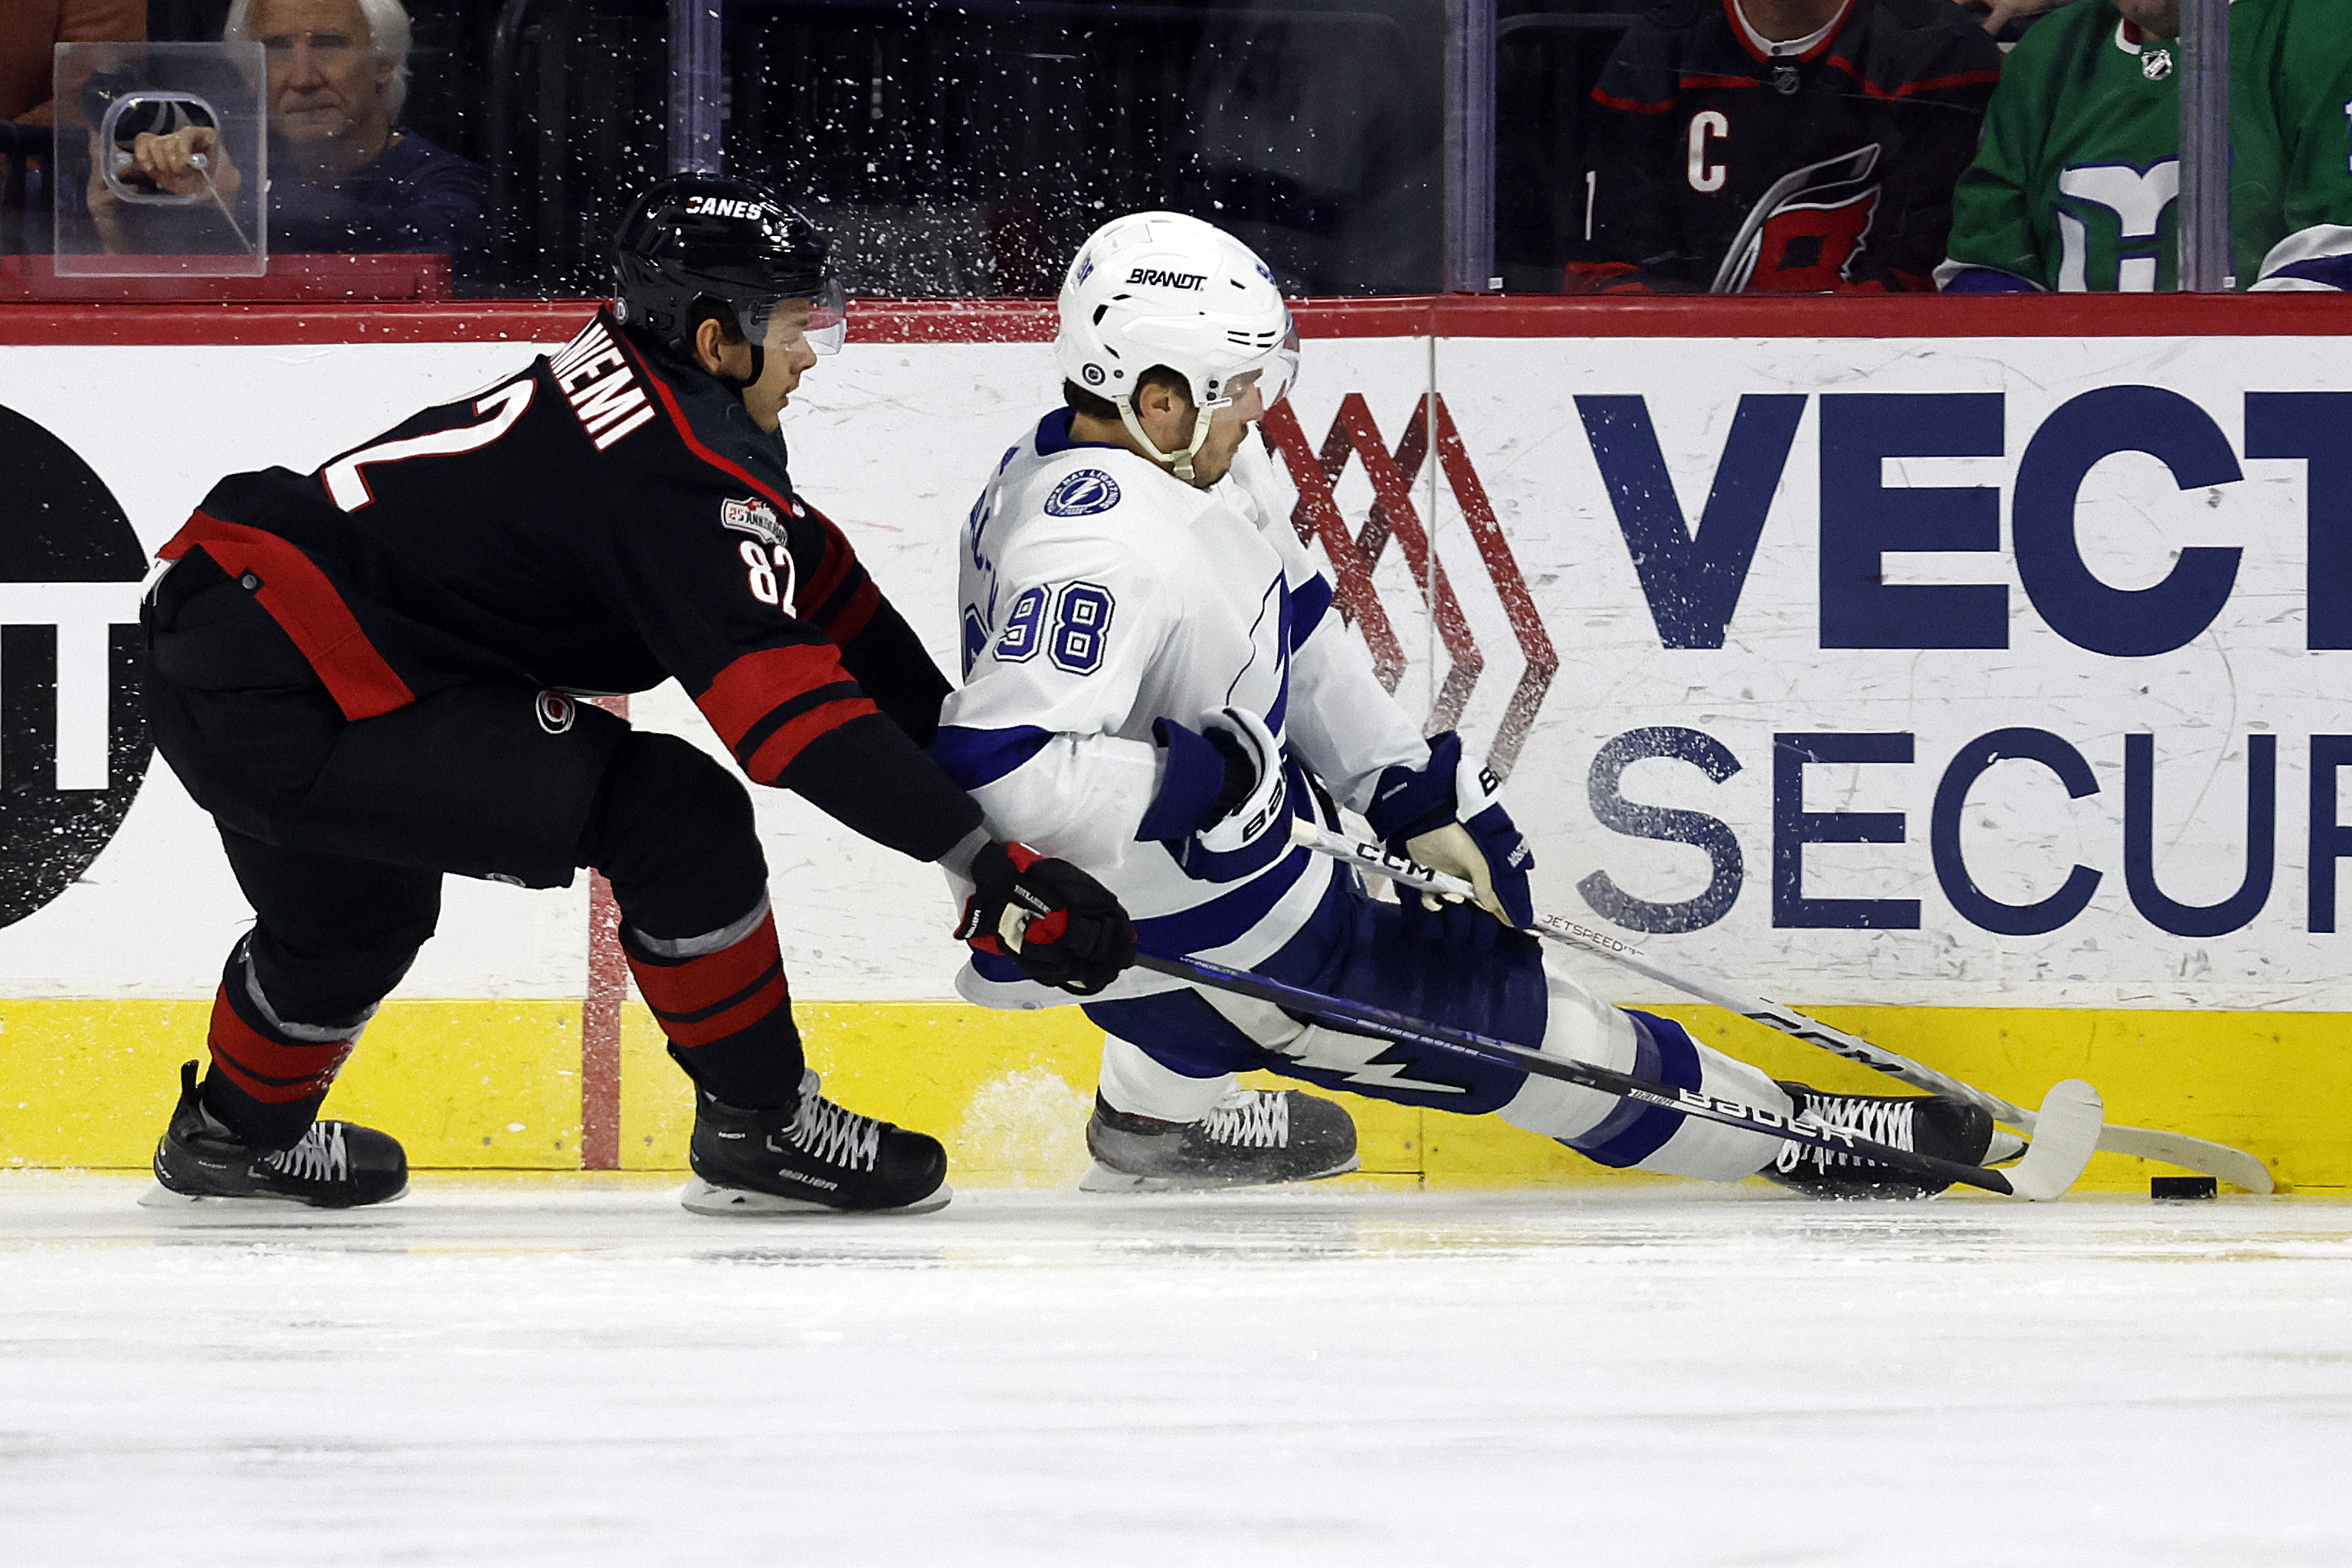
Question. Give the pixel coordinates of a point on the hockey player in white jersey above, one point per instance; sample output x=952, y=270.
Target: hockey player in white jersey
x=1155, y=684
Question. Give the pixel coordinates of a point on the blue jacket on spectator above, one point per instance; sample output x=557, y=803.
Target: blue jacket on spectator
x=412, y=197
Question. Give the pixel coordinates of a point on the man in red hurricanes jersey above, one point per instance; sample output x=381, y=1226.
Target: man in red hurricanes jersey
x=1791, y=146
x=367, y=675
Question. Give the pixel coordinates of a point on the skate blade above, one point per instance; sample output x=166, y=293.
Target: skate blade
x=158, y=1196
x=1100, y=1178
x=699, y=1196
x=2006, y=1146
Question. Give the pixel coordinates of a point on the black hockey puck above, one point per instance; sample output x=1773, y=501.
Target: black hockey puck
x=2176, y=1188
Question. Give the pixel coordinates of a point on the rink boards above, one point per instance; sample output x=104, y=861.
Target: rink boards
x=1968, y=675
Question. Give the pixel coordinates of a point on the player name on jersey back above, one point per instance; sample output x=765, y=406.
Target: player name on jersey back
x=595, y=376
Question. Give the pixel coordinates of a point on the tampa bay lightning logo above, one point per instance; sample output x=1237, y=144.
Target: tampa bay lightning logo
x=1083, y=494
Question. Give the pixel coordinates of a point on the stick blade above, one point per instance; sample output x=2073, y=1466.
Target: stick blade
x=2235, y=1167
x=2065, y=1135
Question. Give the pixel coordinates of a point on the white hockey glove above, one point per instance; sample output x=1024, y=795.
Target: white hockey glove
x=1448, y=817
x=1222, y=806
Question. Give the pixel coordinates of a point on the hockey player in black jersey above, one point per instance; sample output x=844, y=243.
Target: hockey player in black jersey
x=367, y=675
x=1794, y=146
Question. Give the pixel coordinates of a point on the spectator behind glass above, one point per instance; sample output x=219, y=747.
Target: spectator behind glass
x=2076, y=187
x=343, y=176
x=1794, y=146
x=29, y=30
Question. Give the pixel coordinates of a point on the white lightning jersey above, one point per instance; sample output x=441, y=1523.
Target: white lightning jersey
x=1099, y=593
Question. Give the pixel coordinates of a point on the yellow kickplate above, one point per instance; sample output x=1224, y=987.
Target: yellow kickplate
x=488, y=1085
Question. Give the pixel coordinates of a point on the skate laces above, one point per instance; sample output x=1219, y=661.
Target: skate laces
x=1252, y=1118
x=1881, y=1121
x=319, y=1157
x=833, y=1134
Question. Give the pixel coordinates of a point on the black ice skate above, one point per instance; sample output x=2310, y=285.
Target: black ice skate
x=1922, y=1123
x=1253, y=1137
x=816, y=1159
x=335, y=1165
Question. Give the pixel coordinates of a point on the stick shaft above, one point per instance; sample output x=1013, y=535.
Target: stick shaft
x=1361, y=1018
x=1706, y=988
x=2233, y=1165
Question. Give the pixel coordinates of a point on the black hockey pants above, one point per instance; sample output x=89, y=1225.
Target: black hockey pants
x=340, y=832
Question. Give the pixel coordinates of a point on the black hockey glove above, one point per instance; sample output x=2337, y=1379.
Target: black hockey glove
x=1061, y=926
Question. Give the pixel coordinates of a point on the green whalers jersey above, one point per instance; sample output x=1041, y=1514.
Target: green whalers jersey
x=2076, y=179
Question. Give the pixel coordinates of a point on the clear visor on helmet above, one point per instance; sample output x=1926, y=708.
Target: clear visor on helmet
x=1276, y=374
x=777, y=322
x=1282, y=370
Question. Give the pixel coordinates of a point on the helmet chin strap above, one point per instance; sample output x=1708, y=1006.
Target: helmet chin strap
x=1181, y=462
x=739, y=385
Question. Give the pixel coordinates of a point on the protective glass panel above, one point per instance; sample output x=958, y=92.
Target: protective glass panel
x=375, y=149
x=1734, y=146
x=160, y=162
x=2284, y=136
x=968, y=150
x=950, y=150
x=2081, y=184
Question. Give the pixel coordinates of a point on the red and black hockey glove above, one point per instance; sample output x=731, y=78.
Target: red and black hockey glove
x=1061, y=926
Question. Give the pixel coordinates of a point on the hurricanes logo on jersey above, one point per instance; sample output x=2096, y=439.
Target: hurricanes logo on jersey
x=1083, y=494
x=1803, y=233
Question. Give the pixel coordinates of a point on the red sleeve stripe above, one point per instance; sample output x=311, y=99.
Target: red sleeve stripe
x=1630, y=105
x=748, y=745
x=778, y=751
x=759, y=682
x=832, y=571
x=826, y=610
x=851, y=618
x=298, y=595
x=1871, y=90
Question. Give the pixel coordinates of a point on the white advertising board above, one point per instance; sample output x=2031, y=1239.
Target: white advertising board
x=1955, y=672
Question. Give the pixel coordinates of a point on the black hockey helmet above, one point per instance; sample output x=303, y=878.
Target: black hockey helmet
x=692, y=241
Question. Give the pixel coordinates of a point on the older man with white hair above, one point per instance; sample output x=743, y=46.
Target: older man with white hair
x=344, y=176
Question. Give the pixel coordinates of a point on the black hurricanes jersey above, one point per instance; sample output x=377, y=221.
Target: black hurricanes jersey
x=1714, y=167
x=599, y=522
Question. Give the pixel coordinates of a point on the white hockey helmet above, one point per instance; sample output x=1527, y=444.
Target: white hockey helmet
x=1161, y=288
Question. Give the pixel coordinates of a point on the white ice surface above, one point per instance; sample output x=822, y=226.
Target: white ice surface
x=562, y=1374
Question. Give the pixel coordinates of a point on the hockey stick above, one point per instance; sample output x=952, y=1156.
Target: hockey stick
x=2232, y=1165
x=2070, y=1112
